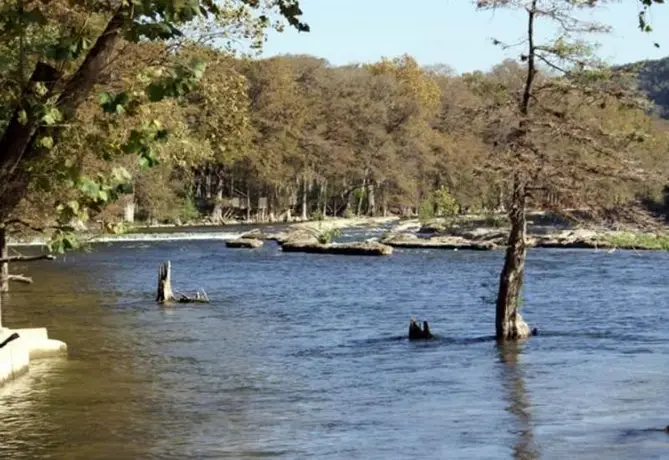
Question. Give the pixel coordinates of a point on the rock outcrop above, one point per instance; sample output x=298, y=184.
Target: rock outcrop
x=489, y=238
x=352, y=249
x=437, y=242
x=248, y=243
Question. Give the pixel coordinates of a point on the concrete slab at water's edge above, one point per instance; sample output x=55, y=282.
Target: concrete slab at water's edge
x=26, y=345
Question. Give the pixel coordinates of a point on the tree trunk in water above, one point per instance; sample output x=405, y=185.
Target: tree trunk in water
x=164, y=292
x=509, y=324
x=4, y=266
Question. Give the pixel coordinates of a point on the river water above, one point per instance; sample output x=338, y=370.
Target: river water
x=304, y=356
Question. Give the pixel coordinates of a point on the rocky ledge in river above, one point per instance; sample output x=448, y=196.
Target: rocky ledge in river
x=351, y=249
x=248, y=243
x=409, y=241
x=482, y=239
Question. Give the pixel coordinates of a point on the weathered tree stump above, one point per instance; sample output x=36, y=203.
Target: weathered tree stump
x=164, y=292
x=416, y=333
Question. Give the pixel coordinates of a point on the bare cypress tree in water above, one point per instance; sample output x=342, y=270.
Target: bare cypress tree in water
x=546, y=120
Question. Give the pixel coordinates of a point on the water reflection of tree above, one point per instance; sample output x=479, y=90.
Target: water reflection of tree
x=519, y=405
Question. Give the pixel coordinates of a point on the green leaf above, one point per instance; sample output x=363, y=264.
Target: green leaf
x=144, y=163
x=105, y=98
x=51, y=116
x=89, y=188
x=46, y=142
x=40, y=89
x=74, y=206
x=115, y=103
x=120, y=175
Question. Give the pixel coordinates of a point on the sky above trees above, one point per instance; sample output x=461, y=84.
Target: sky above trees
x=447, y=31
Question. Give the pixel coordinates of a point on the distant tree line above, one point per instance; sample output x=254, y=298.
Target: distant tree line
x=293, y=136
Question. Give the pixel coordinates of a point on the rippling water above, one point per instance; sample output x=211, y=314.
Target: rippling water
x=303, y=356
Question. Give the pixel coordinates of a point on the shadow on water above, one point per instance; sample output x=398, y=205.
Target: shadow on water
x=519, y=405
x=437, y=340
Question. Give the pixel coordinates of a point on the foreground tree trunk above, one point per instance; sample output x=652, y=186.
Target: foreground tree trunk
x=18, y=144
x=18, y=135
x=509, y=323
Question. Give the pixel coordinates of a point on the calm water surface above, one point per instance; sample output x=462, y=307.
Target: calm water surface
x=303, y=356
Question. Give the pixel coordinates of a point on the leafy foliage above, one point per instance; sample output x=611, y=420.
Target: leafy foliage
x=68, y=139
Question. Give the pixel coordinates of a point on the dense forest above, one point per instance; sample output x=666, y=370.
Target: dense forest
x=295, y=137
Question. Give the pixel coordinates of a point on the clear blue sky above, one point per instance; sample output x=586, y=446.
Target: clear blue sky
x=447, y=32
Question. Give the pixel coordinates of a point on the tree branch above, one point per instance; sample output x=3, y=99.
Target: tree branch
x=27, y=258
x=20, y=279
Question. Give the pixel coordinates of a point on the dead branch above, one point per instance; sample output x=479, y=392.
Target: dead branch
x=27, y=258
x=20, y=279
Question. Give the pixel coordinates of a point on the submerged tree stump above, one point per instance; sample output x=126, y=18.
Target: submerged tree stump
x=164, y=293
x=416, y=333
